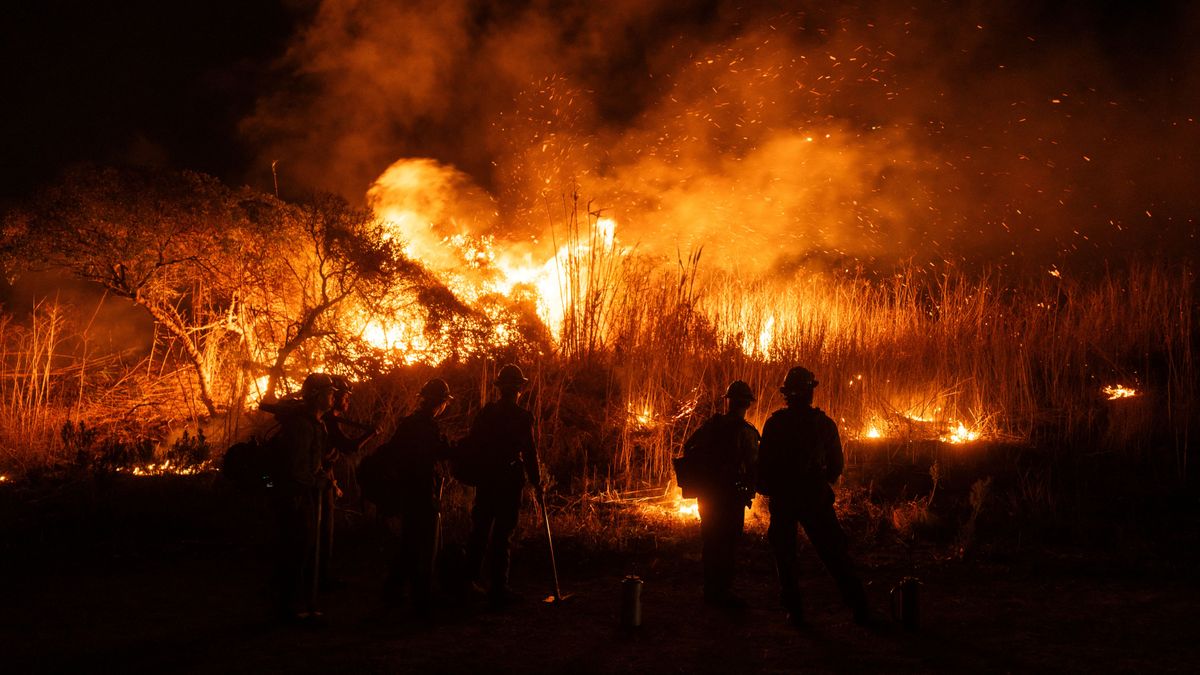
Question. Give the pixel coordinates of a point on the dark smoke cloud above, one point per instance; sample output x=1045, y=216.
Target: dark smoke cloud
x=882, y=132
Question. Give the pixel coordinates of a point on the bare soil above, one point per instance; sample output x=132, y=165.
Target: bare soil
x=100, y=585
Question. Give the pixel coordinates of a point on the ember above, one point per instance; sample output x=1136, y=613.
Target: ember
x=960, y=434
x=1116, y=391
x=166, y=468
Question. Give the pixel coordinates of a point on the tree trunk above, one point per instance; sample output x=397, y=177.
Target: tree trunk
x=175, y=327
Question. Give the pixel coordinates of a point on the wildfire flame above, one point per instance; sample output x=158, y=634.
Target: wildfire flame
x=873, y=432
x=1116, y=391
x=960, y=434
x=422, y=204
x=689, y=508
x=257, y=390
x=643, y=415
x=167, y=468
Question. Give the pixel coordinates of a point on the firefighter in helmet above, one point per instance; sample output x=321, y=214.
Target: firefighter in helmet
x=724, y=452
x=407, y=465
x=501, y=438
x=799, y=458
x=338, y=466
x=301, y=443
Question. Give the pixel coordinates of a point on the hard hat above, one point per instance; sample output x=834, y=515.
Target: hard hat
x=511, y=376
x=342, y=383
x=798, y=379
x=314, y=384
x=740, y=391
x=436, y=390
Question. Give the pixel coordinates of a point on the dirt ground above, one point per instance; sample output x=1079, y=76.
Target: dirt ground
x=163, y=595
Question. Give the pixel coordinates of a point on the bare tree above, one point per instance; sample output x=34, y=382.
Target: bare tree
x=324, y=254
x=222, y=271
x=151, y=237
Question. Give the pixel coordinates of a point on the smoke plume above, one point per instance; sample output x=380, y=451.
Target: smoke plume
x=770, y=136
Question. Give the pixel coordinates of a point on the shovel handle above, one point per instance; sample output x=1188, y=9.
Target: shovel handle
x=550, y=542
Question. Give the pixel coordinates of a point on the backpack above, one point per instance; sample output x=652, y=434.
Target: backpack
x=251, y=465
x=467, y=465
x=689, y=476
x=704, y=470
x=694, y=470
x=372, y=481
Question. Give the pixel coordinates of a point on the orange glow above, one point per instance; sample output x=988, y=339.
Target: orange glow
x=960, y=434
x=689, y=508
x=166, y=468
x=1116, y=391
x=256, y=390
x=643, y=415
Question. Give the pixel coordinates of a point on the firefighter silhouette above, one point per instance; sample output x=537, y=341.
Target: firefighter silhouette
x=723, y=453
x=799, y=458
x=502, y=445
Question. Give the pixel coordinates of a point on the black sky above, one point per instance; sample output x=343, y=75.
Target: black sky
x=137, y=80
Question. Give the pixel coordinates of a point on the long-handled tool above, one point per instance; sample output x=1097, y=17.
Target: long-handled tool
x=316, y=569
x=558, y=595
x=437, y=525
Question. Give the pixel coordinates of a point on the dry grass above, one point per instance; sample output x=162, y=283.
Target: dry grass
x=908, y=358
x=647, y=348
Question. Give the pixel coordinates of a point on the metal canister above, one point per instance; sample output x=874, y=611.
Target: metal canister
x=631, y=602
x=905, y=603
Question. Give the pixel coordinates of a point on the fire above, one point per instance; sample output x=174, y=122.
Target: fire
x=643, y=415
x=873, y=432
x=689, y=508
x=167, y=468
x=1116, y=391
x=3, y=478
x=257, y=390
x=959, y=434
x=758, y=343
x=443, y=221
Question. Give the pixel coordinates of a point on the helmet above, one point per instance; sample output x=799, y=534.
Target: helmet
x=511, y=375
x=436, y=390
x=740, y=391
x=341, y=383
x=314, y=384
x=798, y=378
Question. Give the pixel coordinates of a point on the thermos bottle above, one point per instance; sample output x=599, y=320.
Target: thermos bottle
x=631, y=602
x=905, y=603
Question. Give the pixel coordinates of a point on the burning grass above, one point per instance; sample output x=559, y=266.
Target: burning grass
x=629, y=353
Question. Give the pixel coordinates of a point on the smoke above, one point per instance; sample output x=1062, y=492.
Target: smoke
x=873, y=134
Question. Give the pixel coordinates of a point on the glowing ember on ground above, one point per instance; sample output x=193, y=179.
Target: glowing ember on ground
x=3, y=478
x=689, y=508
x=1116, y=391
x=873, y=431
x=959, y=434
x=167, y=468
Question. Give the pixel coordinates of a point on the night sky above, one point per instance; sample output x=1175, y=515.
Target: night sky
x=142, y=81
x=225, y=87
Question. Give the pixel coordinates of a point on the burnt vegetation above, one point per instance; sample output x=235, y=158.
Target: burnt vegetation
x=244, y=293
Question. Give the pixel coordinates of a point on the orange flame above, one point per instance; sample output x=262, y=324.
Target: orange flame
x=960, y=434
x=1116, y=391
